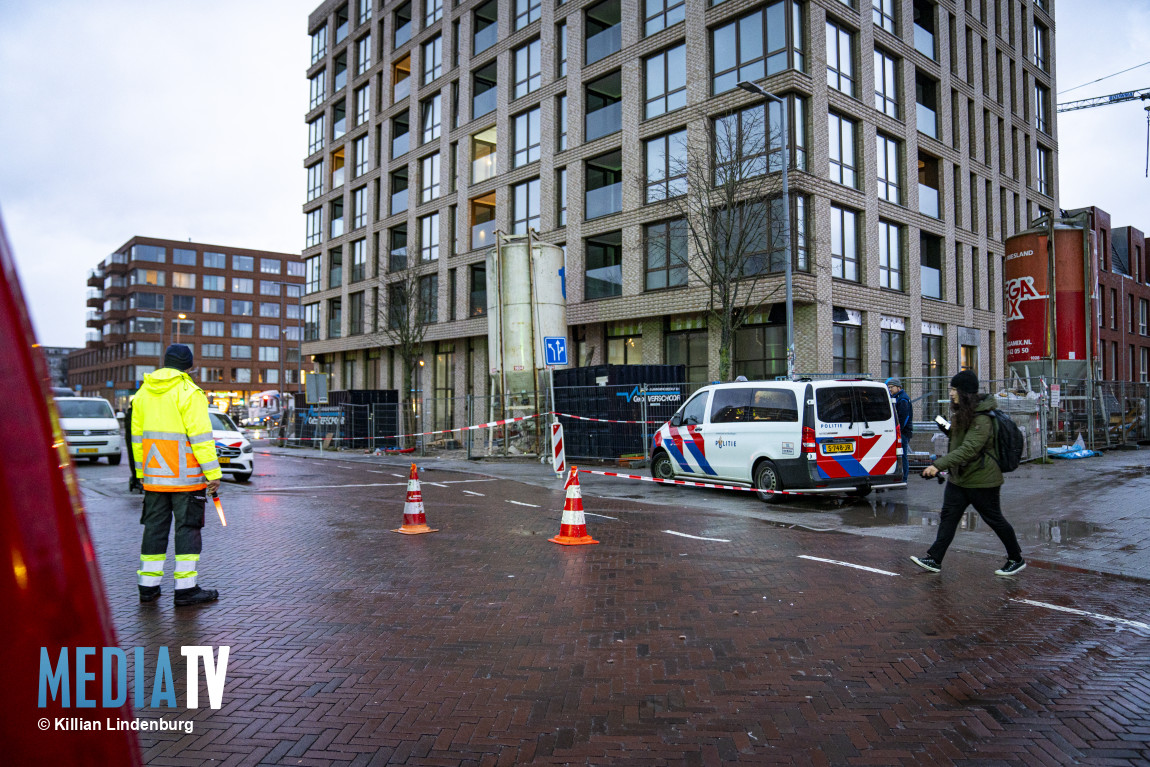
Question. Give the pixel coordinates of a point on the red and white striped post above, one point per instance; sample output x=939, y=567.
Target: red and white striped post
x=558, y=457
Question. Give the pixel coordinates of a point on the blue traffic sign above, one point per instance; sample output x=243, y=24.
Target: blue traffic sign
x=555, y=350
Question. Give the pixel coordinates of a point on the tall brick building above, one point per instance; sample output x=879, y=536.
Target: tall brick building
x=237, y=309
x=923, y=134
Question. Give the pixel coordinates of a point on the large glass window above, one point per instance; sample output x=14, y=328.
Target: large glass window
x=484, y=82
x=840, y=59
x=660, y=14
x=359, y=207
x=665, y=244
x=477, y=304
x=666, y=166
x=432, y=113
x=892, y=346
x=311, y=322
x=429, y=178
x=315, y=135
x=740, y=149
x=749, y=48
x=433, y=12
x=885, y=84
x=887, y=169
x=432, y=59
x=362, y=156
x=526, y=135
x=847, y=350
x=603, y=31
x=528, y=69
x=844, y=244
x=362, y=104
x=429, y=238
x=604, y=185
x=525, y=203
x=314, y=219
x=335, y=267
x=485, y=26
x=889, y=256
x=930, y=252
x=604, y=272
x=335, y=318
x=318, y=44
x=884, y=15
x=604, y=106
x=359, y=260
x=526, y=11
x=843, y=163
x=685, y=343
x=666, y=81
x=761, y=347
x=312, y=272
x=318, y=89
x=429, y=299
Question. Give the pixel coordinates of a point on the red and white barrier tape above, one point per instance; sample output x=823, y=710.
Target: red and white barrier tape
x=689, y=483
x=603, y=420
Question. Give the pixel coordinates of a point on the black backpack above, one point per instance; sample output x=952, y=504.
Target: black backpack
x=1008, y=437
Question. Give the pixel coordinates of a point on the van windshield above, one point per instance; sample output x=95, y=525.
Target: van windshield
x=84, y=408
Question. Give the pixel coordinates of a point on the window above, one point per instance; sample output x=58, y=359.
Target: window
x=760, y=347
x=660, y=14
x=183, y=257
x=561, y=49
x=428, y=299
x=1042, y=170
x=318, y=88
x=666, y=166
x=429, y=238
x=929, y=185
x=311, y=284
x=885, y=84
x=847, y=350
x=269, y=266
x=889, y=256
x=665, y=244
x=212, y=328
x=402, y=24
x=892, y=350
x=400, y=135
x=604, y=185
x=153, y=301
x=477, y=302
x=401, y=79
x=685, y=343
x=213, y=282
x=844, y=244
x=666, y=81
x=359, y=207
x=840, y=59
x=295, y=291
x=884, y=11
x=269, y=354
x=486, y=26
x=397, y=250
x=740, y=149
x=525, y=204
x=561, y=197
x=315, y=180
x=243, y=308
x=604, y=106
x=358, y=260
x=335, y=267
x=483, y=155
x=341, y=26
x=484, y=82
x=432, y=59
x=363, y=14
x=924, y=23
x=526, y=135
x=318, y=44
x=887, y=168
x=314, y=227
x=355, y=314
x=241, y=352
x=1040, y=49
x=433, y=12
x=930, y=255
x=241, y=330
x=527, y=67
x=315, y=135
x=362, y=156
x=212, y=351
x=926, y=105
x=738, y=49
x=561, y=128
x=211, y=375
x=843, y=166
x=603, y=277
x=339, y=79
x=311, y=322
x=399, y=191
x=335, y=318
x=183, y=303
x=269, y=310
x=526, y=11
x=243, y=285
x=295, y=269
x=602, y=30
x=362, y=104
x=432, y=112
x=429, y=178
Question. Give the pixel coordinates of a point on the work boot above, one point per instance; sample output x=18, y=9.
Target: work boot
x=195, y=596
x=149, y=593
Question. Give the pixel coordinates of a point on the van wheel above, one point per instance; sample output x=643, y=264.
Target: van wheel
x=661, y=467
x=767, y=478
x=114, y=460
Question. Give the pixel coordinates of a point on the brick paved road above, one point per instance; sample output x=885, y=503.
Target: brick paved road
x=484, y=644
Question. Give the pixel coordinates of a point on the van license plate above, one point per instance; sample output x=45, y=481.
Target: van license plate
x=838, y=447
x=88, y=450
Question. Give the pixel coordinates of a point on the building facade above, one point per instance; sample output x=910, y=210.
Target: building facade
x=57, y=359
x=922, y=135
x=238, y=310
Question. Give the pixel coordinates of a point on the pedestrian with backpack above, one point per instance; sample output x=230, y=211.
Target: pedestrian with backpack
x=974, y=474
x=905, y=413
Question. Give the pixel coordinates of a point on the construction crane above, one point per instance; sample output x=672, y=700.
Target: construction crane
x=1142, y=94
x=1101, y=101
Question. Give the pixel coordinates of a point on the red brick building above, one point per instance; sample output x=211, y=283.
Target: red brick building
x=238, y=310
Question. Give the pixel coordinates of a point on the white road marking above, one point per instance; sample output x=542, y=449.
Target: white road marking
x=694, y=537
x=481, y=495
x=461, y=481
x=604, y=516
x=1098, y=616
x=326, y=487
x=517, y=503
x=437, y=484
x=847, y=564
x=401, y=476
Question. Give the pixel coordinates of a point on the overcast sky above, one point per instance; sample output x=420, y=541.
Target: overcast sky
x=184, y=120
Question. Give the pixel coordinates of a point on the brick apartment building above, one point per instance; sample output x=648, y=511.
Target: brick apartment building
x=923, y=134
x=238, y=310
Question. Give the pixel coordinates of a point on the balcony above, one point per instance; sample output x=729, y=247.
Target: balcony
x=927, y=120
x=928, y=201
x=603, y=44
x=400, y=145
x=397, y=260
x=483, y=103
x=95, y=297
x=117, y=263
x=402, y=89
x=398, y=201
x=93, y=337
x=605, y=200
x=95, y=318
x=483, y=168
x=604, y=121
x=95, y=277
x=485, y=38
x=482, y=235
x=924, y=42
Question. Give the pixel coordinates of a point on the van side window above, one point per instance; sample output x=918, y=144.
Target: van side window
x=730, y=405
x=833, y=404
x=694, y=410
x=773, y=405
x=875, y=404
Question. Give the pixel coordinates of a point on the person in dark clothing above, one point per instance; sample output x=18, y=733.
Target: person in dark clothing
x=974, y=477
x=905, y=414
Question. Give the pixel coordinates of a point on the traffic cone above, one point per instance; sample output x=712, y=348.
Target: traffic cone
x=414, y=520
x=573, y=528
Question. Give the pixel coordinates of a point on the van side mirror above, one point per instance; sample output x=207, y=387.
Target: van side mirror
x=677, y=419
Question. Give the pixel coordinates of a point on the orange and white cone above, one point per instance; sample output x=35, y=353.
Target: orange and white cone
x=573, y=528
x=414, y=520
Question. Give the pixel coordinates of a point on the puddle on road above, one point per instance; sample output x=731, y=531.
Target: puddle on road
x=898, y=514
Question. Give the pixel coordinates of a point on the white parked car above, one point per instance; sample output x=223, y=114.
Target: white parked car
x=90, y=428
x=232, y=447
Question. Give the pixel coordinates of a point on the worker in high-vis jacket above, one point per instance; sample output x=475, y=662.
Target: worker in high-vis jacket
x=176, y=462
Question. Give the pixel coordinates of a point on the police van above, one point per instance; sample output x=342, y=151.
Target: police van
x=832, y=436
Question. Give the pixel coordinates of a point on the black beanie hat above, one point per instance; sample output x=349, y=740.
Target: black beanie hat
x=178, y=356
x=966, y=382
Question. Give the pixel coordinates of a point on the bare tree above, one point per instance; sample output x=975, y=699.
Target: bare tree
x=403, y=318
x=728, y=195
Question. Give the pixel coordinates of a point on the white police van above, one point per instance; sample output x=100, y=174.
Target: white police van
x=831, y=436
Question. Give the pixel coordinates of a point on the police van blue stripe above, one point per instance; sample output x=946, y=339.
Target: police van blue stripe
x=669, y=446
x=698, y=456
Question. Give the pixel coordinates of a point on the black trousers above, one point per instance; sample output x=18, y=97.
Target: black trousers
x=985, y=500
x=160, y=509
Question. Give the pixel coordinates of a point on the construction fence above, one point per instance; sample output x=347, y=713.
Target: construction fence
x=611, y=423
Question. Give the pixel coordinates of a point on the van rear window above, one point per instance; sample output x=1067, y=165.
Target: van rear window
x=833, y=404
x=875, y=404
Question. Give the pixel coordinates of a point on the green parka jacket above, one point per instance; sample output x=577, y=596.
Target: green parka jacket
x=973, y=457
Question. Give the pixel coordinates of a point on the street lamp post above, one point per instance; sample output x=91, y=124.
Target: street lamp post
x=787, y=271
x=179, y=325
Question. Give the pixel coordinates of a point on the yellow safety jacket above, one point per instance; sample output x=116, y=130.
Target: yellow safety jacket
x=172, y=435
